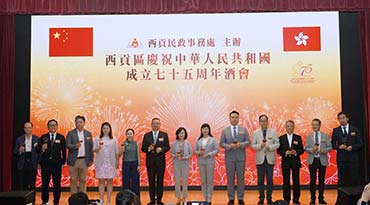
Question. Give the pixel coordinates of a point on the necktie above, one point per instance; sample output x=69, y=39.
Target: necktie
x=264, y=134
x=345, y=131
x=155, y=137
x=316, y=138
x=234, y=133
x=52, y=138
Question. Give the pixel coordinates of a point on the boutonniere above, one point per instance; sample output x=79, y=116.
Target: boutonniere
x=353, y=133
x=295, y=142
x=88, y=138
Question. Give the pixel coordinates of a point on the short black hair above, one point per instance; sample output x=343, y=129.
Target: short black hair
x=341, y=113
x=289, y=121
x=234, y=112
x=317, y=120
x=263, y=115
x=29, y=123
x=79, y=198
x=52, y=120
x=80, y=117
x=127, y=197
x=130, y=129
x=178, y=132
x=156, y=118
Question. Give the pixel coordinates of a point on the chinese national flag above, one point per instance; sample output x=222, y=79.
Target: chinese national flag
x=71, y=42
x=301, y=38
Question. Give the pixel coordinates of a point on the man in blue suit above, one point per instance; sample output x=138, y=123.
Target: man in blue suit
x=27, y=158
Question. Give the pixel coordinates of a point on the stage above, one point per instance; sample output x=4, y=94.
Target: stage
x=219, y=197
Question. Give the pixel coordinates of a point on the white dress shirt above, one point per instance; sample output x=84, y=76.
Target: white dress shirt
x=28, y=143
x=317, y=154
x=290, y=139
x=232, y=130
x=346, y=128
x=81, y=150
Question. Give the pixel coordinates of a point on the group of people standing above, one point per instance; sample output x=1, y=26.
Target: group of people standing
x=49, y=151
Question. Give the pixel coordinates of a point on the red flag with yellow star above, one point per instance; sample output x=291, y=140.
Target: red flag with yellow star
x=70, y=42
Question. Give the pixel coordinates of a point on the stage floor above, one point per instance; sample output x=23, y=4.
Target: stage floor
x=219, y=197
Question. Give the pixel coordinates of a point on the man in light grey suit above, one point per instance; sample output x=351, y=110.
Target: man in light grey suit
x=234, y=139
x=80, y=157
x=318, y=145
x=265, y=141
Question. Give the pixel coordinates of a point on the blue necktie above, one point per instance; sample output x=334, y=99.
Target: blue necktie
x=155, y=138
x=264, y=134
x=316, y=138
x=234, y=133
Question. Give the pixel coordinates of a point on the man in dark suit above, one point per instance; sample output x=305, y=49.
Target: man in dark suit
x=52, y=147
x=291, y=148
x=26, y=153
x=155, y=145
x=346, y=139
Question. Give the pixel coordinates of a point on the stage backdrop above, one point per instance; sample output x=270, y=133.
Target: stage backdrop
x=187, y=69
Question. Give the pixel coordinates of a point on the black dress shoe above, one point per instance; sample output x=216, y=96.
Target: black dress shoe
x=269, y=201
x=230, y=202
x=322, y=202
x=151, y=203
x=241, y=202
x=260, y=201
x=160, y=203
x=296, y=202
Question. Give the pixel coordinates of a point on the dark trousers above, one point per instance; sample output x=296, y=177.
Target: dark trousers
x=54, y=170
x=155, y=176
x=130, y=177
x=27, y=176
x=289, y=168
x=265, y=170
x=314, y=168
x=348, y=174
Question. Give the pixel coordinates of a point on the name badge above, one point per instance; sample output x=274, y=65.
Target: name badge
x=323, y=141
x=269, y=138
x=57, y=141
x=241, y=133
x=88, y=138
x=295, y=142
x=353, y=133
x=160, y=139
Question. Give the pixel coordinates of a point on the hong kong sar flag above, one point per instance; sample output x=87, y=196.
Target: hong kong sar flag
x=70, y=42
x=302, y=38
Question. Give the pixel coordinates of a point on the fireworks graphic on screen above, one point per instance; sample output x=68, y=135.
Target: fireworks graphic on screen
x=190, y=107
x=119, y=119
x=316, y=107
x=277, y=117
x=61, y=98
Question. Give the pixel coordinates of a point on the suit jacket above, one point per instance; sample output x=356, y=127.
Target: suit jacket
x=72, y=139
x=21, y=156
x=211, y=149
x=227, y=138
x=297, y=145
x=325, y=146
x=268, y=151
x=185, y=156
x=152, y=157
x=56, y=152
x=353, y=139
